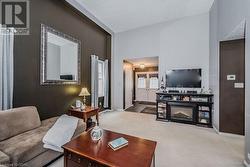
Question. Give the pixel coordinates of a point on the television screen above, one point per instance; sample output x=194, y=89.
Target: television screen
x=185, y=78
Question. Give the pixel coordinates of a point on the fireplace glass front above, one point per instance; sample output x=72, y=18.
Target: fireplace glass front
x=182, y=113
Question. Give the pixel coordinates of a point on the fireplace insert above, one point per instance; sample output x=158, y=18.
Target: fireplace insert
x=182, y=112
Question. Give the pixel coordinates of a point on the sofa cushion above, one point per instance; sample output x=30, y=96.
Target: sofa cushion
x=43, y=159
x=4, y=159
x=18, y=120
x=26, y=146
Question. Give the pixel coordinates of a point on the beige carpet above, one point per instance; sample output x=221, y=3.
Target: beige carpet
x=178, y=145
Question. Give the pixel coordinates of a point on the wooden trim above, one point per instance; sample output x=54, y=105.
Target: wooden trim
x=147, y=69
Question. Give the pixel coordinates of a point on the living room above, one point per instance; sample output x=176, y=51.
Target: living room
x=63, y=83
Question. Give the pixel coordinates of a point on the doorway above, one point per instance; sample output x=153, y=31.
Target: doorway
x=232, y=87
x=141, y=81
x=146, y=84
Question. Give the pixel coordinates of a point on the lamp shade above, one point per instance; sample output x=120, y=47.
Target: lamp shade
x=84, y=92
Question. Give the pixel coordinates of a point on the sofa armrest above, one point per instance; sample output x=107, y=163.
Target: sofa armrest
x=4, y=159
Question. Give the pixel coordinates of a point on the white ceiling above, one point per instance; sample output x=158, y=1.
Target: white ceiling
x=123, y=15
x=147, y=61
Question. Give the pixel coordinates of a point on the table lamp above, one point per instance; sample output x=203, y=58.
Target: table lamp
x=84, y=92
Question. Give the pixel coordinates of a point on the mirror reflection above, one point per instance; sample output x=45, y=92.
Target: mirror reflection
x=60, y=58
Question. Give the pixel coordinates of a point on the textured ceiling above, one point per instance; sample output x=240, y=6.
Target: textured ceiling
x=123, y=15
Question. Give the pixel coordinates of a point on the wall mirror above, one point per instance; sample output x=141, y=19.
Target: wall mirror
x=60, y=57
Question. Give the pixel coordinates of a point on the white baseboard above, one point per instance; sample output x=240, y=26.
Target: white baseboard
x=227, y=134
x=246, y=164
x=116, y=109
x=108, y=110
x=231, y=135
x=119, y=110
x=216, y=130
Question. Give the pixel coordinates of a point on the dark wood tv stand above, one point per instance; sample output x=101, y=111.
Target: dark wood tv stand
x=191, y=108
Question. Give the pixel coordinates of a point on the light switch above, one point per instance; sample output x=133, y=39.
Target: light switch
x=231, y=77
x=239, y=85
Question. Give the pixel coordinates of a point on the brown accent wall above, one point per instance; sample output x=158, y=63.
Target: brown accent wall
x=54, y=100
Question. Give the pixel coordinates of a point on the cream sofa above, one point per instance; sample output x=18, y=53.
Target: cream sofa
x=21, y=133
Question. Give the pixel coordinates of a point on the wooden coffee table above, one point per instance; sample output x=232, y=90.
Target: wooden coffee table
x=82, y=151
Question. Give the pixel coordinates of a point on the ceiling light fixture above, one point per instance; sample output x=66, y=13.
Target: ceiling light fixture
x=142, y=66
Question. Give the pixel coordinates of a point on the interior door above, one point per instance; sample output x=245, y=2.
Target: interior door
x=153, y=85
x=141, y=87
x=232, y=91
x=146, y=86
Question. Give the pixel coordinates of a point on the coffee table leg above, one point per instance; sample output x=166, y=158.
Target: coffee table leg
x=97, y=119
x=154, y=160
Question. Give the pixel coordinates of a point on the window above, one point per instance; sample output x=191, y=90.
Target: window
x=100, y=78
x=153, y=81
x=141, y=81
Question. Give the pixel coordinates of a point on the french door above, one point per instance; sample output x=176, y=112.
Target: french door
x=146, y=85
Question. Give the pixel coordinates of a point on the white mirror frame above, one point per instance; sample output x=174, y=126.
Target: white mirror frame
x=44, y=51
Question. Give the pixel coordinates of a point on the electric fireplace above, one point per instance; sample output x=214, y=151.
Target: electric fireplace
x=183, y=112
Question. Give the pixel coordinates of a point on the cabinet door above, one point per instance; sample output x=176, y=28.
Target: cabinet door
x=74, y=160
x=161, y=110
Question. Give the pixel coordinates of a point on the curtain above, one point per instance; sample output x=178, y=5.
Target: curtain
x=6, y=68
x=106, y=84
x=94, y=81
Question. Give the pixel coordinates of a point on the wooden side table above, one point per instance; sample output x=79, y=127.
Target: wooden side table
x=85, y=114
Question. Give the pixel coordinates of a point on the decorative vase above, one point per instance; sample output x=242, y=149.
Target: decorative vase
x=96, y=133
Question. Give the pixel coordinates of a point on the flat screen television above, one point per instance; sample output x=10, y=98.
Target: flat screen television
x=183, y=78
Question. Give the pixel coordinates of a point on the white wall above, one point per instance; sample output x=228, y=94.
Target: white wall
x=230, y=14
x=182, y=43
x=224, y=17
x=214, y=62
